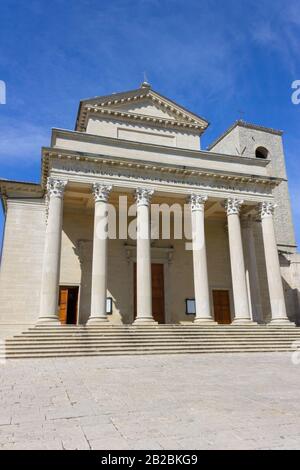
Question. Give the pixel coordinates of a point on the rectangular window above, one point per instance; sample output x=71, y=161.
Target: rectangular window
x=190, y=307
x=109, y=305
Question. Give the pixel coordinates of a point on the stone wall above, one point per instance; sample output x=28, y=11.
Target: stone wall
x=143, y=133
x=290, y=268
x=76, y=268
x=21, y=264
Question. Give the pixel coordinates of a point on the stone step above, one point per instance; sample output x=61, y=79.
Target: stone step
x=103, y=337
x=120, y=351
x=161, y=327
x=135, y=347
x=43, y=354
x=70, y=341
x=156, y=333
x=216, y=330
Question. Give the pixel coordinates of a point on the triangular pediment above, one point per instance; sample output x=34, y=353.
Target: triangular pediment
x=141, y=104
x=145, y=107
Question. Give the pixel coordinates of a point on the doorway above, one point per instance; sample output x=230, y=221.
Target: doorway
x=221, y=302
x=68, y=304
x=158, y=292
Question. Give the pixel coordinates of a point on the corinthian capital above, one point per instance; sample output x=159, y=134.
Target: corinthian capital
x=233, y=205
x=266, y=209
x=55, y=187
x=197, y=201
x=101, y=192
x=143, y=196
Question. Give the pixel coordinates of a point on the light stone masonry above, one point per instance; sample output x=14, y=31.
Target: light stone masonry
x=140, y=145
x=90, y=404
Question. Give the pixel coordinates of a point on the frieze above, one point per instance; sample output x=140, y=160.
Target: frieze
x=144, y=175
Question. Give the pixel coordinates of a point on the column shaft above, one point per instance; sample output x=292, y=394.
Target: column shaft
x=277, y=300
x=100, y=246
x=52, y=253
x=251, y=269
x=239, y=285
x=143, y=258
x=201, y=287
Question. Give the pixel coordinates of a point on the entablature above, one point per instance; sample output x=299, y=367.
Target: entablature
x=170, y=178
x=10, y=189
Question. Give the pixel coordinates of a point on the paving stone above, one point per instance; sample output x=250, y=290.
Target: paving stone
x=111, y=444
x=232, y=401
x=5, y=419
x=107, y=431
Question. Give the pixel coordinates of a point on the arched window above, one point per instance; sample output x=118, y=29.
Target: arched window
x=261, y=152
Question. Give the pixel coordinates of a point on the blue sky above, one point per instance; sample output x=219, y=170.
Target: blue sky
x=216, y=58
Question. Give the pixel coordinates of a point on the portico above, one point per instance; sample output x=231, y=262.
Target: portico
x=232, y=209
x=133, y=223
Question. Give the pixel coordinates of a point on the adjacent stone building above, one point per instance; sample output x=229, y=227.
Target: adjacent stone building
x=140, y=149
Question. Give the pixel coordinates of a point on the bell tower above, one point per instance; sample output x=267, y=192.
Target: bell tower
x=252, y=141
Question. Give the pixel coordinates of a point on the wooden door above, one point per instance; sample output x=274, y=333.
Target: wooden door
x=63, y=305
x=221, y=303
x=158, y=293
x=68, y=304
x=158, y=298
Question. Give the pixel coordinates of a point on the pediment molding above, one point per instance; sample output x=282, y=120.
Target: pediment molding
x=111, y=107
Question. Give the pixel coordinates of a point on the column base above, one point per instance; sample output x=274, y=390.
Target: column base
x=205, y=321
x=145, y=321
x=243, y=321
x=94, y=321
x=51, y=320
x=281, y=322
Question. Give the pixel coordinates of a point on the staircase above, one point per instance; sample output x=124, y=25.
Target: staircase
x=71, y=341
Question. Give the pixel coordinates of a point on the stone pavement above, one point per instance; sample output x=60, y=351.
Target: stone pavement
x=213, y=401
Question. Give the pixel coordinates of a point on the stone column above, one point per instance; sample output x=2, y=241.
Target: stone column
x=278, y=308
x=201, y=288
x=143, y=258
x=100, y=246
x=251, y=269
x=239, y=285
x=52, y=252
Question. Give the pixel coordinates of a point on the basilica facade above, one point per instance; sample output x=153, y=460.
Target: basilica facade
x=79, y=247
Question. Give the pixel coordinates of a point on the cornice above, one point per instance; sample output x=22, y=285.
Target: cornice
x=105, y=106
x=30, y=191
x=26, y=185
x=123, y=115
x=118, y=163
